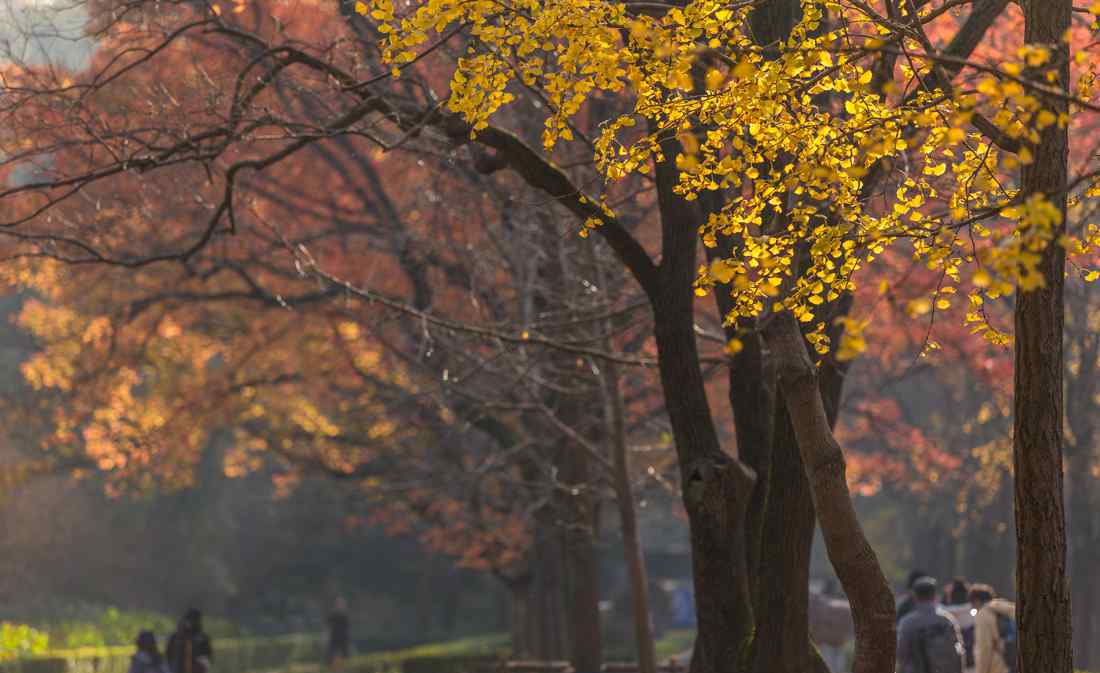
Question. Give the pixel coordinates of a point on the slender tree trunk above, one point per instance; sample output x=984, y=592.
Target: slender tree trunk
x=1043, y=603
x=628, y=521
x=582, y=566
x=522, y=615
x=855, y=562
x=1083, y=558
x=1083, y=350
x=548, y=590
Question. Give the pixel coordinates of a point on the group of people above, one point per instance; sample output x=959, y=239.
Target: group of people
x=964, y=628
x=188, y=650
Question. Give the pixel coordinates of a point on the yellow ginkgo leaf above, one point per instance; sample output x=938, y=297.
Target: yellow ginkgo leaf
x=720, y=271
x=918, y=307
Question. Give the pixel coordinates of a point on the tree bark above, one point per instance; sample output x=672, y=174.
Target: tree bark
x=716, y=485
x=628, y=521
x=782, y=642
x=521, y=617
x=855, y=562
x=582, y=566
x=548, y=590
x=1083, y=558
x=1043, y=603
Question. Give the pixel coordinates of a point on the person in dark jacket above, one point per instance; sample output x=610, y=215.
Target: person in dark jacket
x=189, y=649
x=339, y=635
x=147, y=659
x=929, y=639
x=909, y=602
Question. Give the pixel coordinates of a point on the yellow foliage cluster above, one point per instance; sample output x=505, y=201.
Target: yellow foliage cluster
x=793, y=128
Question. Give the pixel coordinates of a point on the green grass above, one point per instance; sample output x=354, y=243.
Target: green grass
x=492, y=645
x=90, y=651
x=299, y=659
x=675, y=643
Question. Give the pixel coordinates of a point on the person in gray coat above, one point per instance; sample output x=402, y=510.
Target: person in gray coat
x=929, y=640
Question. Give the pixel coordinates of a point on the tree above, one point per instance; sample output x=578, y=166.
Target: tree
x=328, y=393
x=1043, y=608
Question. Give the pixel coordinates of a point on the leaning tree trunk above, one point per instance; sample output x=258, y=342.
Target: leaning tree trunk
x=1042, y=593
x=628, y=520
x=855, y=562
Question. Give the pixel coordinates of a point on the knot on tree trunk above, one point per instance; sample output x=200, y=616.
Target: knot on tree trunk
x=711, y=483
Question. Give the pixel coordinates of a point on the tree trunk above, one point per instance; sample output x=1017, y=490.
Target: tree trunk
x=716, y=485
x=1082, y=354
x=628, y=521
x=582, y=566
x=1083, y=558
x=716, y=488
x=782, y=643
x=548, y=591
x=522, y=616
x=855, y=562
x=1042, y=592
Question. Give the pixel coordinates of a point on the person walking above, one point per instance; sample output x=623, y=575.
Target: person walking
x=189, y=649
x=339, y=636
x=147, y=659
x=956, y=600
x=994, y=631
x=905, y=605
x=929, y=640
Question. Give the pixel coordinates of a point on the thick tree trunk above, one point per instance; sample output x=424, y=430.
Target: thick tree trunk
x=782, y=643
x=716, y=486
x=628, y=521
x=752, y=401
x=855, y=562
x=1042, y=592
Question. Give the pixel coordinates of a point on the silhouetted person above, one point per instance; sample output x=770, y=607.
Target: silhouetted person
x=908, y=602
x=147, y=659
x=339, y=635
x=189, y=649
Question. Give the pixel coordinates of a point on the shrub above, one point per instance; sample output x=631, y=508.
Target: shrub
x=20, y=640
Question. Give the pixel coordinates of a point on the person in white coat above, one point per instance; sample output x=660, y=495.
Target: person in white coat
x=993, y=653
